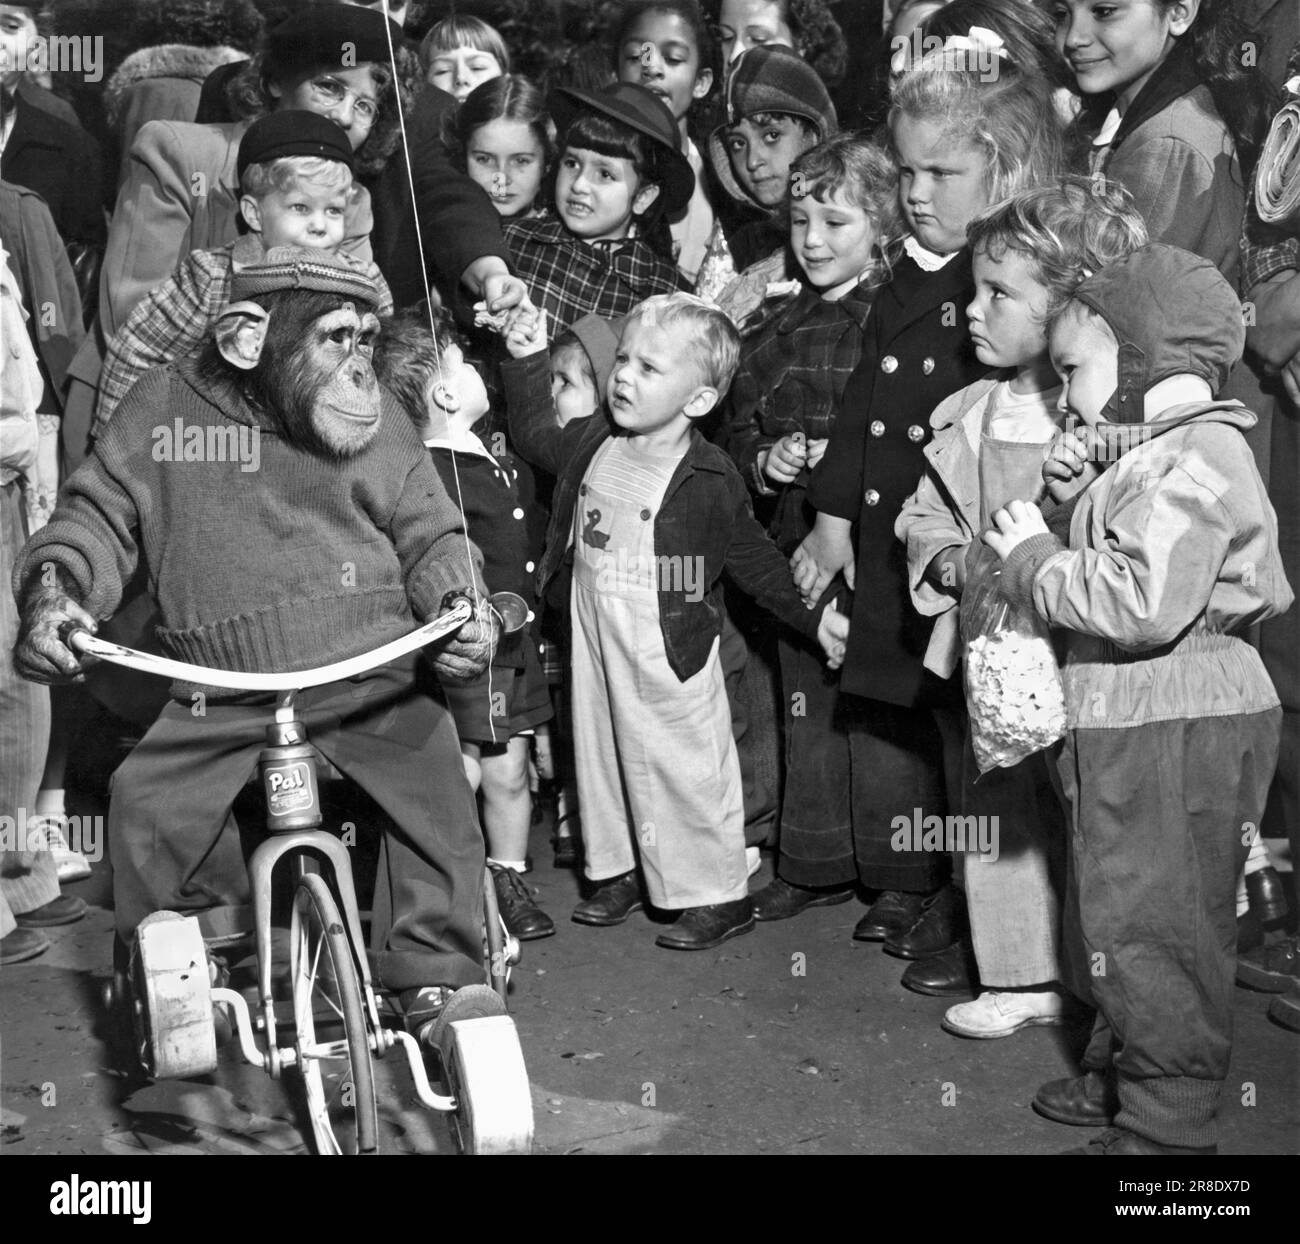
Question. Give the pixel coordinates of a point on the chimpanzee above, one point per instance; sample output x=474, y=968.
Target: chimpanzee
x=340, y=539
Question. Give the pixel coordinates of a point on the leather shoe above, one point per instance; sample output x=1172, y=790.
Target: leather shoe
x=941, y=922
x=21, y=945
x=1250, y=933
x=66, y=909
x=701, y=928
x=892, y=912
x=1273, y=968
x=1267, y=897
x=1120, y=1141
x=1284, y=1009
x=519, y=910
x=1089, y=1100
x=782, y=899
x=613, y=901
x=949, y=974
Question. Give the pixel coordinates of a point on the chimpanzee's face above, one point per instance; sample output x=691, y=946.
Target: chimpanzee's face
x=345, y=412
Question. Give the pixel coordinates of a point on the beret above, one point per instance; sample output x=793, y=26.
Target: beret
x=292, y=132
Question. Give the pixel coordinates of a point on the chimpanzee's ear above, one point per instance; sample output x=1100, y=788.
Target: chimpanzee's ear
x=240, y=333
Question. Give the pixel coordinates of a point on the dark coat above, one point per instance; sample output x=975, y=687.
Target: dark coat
x=917, y=352
x=61, y=162
x=458, y=222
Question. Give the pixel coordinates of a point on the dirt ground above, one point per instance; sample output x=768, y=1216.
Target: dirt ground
x=792, y=1039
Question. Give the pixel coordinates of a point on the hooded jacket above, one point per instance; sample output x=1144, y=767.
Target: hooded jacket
x=1172, y=555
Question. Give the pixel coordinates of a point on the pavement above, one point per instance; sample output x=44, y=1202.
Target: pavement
x=791, y=1039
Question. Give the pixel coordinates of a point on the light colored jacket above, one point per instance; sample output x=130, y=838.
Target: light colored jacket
x=20, y=381
x=1173, y=555
x=945, y=511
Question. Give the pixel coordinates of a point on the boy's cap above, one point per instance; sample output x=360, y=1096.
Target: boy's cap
x=599, y=338
x=1172, y=313
x=292, y=132
x=776, y=79
x=296, y=267
x=640, y=110
x=329, y=35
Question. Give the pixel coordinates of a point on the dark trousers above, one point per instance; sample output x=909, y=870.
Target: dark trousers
x=902, y=759
x=816, y=837
x=175, y=845
x=746, y=686
x=1160, y=823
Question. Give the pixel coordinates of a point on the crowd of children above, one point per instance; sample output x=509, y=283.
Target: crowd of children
x=695, y=336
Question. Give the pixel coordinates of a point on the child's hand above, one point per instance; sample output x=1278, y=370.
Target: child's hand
x=833, y=635
x=817, y=451
x=826, y=551
x=784, y=460
x=526, y=333
x=1012, y=526
x=1070, y=454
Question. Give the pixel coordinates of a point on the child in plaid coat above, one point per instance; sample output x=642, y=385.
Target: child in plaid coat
x=621, y=170
x=844, y=220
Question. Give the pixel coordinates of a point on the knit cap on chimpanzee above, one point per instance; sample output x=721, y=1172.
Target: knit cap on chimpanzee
x=1173, y=313
x=771, y=79
x=297, y=267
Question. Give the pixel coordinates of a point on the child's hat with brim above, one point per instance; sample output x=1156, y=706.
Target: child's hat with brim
x=640, y=110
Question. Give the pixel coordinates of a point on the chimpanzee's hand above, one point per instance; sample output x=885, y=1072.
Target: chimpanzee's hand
x=40, y=654
x=465, y=655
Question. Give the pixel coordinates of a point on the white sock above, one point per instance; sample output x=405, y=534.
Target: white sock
x=49, y=802
x=1257, y=859
x=1243, y=900
x=753, y=860
x=518, y=865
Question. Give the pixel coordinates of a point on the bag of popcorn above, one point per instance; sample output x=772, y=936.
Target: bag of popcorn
x=1013, y=685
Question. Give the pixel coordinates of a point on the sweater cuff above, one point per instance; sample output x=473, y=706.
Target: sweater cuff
x=1021, y=568
x=757, y=482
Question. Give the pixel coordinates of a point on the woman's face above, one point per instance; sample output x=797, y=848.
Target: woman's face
x=744, y=24
x=349, y=97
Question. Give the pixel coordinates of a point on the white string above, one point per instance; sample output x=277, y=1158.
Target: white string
x=433, y=332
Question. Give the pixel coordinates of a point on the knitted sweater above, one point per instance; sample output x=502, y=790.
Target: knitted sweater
x=261, y=557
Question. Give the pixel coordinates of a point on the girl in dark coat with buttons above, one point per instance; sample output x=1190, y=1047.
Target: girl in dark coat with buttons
x=963, y=138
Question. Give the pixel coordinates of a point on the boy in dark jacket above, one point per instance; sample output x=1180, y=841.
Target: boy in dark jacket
x=654, y=515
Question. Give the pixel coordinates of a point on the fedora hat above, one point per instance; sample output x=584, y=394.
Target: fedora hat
x=640, y=110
